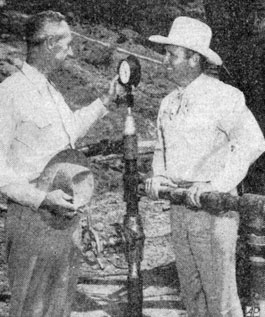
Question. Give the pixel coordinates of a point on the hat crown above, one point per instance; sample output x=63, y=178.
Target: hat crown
x=192, y=33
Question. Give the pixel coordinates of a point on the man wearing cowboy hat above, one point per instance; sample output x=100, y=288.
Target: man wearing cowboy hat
x=207, y=139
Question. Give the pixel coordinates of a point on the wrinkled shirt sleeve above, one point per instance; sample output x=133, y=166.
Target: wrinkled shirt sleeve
x=11, y=185
x=86, y=117
x=246, y=143
x=159, y=164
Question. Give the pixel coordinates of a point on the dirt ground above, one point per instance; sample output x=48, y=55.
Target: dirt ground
x=102, y=292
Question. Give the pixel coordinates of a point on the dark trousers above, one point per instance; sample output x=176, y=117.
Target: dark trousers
x=42, y=263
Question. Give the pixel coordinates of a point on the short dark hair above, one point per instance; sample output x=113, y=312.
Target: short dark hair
x=35, y=27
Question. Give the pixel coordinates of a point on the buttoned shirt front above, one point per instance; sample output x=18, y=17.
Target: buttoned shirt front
x=36, y=124
x=206, y=133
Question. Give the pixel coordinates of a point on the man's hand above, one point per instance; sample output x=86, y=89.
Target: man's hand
x=115, y=90
x=195, y=191
x=59, y=203
x=155, y=184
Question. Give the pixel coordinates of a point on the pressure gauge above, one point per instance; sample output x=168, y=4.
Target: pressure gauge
x=129, y=71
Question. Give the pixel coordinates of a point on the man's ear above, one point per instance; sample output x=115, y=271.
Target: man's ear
x=194, y=60
x=50, y=42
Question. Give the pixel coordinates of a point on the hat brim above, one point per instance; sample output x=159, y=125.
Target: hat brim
x=210, y=55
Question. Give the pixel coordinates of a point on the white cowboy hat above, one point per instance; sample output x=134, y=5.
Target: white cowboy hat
x=192, y=34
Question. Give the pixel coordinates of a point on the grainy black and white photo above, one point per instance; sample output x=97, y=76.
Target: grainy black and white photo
x=132, y=165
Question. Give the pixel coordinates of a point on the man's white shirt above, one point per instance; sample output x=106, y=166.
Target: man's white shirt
x=207, y=133
x=36, y=124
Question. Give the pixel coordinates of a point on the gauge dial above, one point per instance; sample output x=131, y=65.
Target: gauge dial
x=129, y=71
x=124, y=72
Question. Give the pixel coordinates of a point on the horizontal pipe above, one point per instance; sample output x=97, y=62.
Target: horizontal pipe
x=251, y=207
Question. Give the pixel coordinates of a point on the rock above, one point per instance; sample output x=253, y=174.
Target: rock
x=98, y=226
x=2, y=3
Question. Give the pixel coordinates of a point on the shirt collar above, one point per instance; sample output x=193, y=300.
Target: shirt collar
x=196, y=84
x=34, y=76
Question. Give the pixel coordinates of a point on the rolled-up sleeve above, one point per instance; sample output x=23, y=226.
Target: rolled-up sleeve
x=246, y=144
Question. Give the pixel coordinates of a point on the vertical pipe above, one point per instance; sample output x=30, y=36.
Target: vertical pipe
x=133, y=228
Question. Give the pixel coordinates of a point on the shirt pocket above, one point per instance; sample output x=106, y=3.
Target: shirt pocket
x=41, y=119
x=33, y=129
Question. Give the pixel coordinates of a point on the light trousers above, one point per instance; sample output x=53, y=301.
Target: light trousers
x=205, y=248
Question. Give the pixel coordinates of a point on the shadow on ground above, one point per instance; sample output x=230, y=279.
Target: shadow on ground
x=108, y=295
